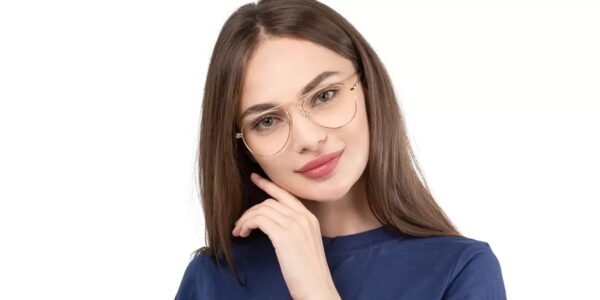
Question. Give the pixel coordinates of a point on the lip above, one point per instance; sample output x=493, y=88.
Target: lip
x=320, y=161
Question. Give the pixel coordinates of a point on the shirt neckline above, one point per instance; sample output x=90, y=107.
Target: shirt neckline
x=343, y=244
x=356, y=241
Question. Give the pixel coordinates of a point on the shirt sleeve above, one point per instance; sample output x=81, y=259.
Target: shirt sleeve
x=477, y=275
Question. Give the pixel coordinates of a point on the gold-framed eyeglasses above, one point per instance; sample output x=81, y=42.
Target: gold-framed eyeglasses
x=267, y=133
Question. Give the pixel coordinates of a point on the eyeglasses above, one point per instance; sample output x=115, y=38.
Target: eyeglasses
x=267, y=133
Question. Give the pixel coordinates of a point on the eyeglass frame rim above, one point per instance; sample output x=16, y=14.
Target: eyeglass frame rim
x=239, y=134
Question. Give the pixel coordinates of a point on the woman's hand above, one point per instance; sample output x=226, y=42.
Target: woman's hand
x=296, y=236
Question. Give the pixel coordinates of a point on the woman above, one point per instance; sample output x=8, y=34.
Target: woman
x=336, y=206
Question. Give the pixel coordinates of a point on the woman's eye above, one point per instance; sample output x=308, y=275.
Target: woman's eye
x=326, y=96
x=266, y=122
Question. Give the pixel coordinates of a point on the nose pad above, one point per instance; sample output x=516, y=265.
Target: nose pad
x=301, y=109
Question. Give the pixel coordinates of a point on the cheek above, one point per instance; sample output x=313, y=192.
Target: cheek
x=365, y=133
x=275, y=169
x=360, y=138
x=360, y=130
x=356, y=139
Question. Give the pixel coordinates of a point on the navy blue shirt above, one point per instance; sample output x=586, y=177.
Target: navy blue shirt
x=375, y=264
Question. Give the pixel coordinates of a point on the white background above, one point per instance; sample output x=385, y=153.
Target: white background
x=99, y=115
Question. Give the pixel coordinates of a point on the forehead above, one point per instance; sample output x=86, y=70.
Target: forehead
x=279, y=68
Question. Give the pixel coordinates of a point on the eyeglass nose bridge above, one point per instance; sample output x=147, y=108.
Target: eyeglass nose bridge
x=300, y=106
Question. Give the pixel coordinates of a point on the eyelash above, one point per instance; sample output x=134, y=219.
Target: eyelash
x=317, y=95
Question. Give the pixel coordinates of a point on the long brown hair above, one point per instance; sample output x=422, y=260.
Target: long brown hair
x=398, y=193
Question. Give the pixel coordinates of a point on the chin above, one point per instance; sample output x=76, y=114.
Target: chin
x=327, y=192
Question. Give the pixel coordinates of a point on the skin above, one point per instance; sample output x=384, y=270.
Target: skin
x=301, y=209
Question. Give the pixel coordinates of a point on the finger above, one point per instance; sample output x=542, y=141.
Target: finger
x=266, y=224
x=278, y=193
x=281, y=219
x=282, y=208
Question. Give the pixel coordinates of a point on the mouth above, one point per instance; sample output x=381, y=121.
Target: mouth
x=321, y=166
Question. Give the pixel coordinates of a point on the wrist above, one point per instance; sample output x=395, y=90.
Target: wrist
x=329, y=294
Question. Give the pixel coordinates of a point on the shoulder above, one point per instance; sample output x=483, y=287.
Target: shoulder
x=471, y=255
x=196, y=278
x=205, y=275
x=475, y=273
x=459, y=250
x=456, y=248
x=470, y=266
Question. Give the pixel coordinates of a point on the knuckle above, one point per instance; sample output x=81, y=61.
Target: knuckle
x=265, y=209
x=270, y=201
x=261, y=209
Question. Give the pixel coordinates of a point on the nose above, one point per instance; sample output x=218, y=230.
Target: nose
x=305, y=133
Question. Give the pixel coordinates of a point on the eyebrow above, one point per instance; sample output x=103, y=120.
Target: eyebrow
x=306, y=89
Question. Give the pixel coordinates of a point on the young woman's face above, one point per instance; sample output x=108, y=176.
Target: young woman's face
x=277, y=72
